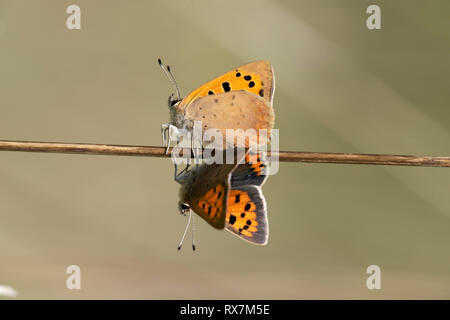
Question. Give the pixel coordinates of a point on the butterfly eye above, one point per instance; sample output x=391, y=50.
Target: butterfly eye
x=183, y=207
x=173, y=101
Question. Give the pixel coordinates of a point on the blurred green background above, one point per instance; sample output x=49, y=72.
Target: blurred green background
x=340, y=88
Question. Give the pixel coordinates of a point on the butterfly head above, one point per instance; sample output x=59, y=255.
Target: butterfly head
x=173, y=101
x=184, y=208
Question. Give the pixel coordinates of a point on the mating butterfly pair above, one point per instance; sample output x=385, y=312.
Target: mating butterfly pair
x=227, y=195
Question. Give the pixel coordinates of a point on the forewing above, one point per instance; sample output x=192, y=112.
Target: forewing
x=207, y=192
x=255, y=77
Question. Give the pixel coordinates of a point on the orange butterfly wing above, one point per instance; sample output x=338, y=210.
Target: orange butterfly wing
x=246, y=214
x=212, y=205
x=205, y=189
x=252, y=172
x=255, y=77
x=246, y=210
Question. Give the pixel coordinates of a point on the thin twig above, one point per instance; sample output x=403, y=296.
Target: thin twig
x=285, y=156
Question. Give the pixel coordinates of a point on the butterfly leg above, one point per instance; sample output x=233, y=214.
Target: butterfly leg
x=167, y=132
x=188, y=165
x=179, y=175
x=164, y=129
x=176, y=171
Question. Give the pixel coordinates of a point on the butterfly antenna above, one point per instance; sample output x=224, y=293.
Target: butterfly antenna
x=193, y=233
x=171, y=78
x=185, y=231
x=175, y=84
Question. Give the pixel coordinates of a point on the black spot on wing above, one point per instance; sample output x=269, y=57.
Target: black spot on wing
x=226, y=86
x=261, y=93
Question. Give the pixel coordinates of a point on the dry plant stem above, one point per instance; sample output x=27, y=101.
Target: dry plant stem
x=284, y=156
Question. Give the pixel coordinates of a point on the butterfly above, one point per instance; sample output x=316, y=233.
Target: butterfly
x=239, y=99
x=228, y=196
